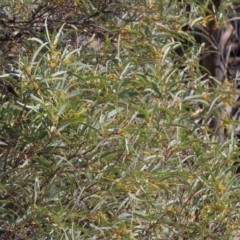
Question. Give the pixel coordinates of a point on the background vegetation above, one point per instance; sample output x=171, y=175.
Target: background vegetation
x=104, y=126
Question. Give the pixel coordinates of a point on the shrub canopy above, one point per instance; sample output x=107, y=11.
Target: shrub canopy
x=104, y=127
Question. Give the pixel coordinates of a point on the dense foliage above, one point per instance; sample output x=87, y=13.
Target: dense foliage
x=104, y=126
